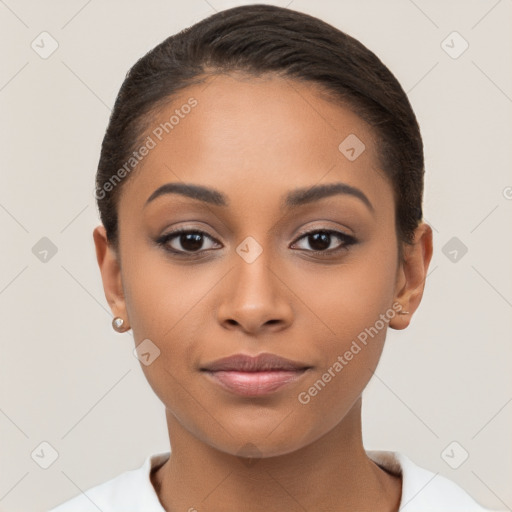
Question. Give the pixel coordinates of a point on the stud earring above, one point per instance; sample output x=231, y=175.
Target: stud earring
x=117, y=324
x=403, y=312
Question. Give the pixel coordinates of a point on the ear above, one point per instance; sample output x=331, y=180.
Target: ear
x=412, y=274
x=110, y=269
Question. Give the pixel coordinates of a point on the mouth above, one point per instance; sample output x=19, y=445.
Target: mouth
x=254, y=376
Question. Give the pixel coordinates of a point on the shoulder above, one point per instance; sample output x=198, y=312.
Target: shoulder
x=423, y=490
x=131, y=490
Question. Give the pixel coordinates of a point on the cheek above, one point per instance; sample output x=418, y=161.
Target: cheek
x=166, y=304
x=349, y=310
x=342, y=300
x=162, y=296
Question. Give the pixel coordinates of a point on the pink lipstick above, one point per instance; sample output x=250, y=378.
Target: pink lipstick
x=254, y=376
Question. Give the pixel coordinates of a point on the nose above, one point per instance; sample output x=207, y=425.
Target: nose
x=254, y=298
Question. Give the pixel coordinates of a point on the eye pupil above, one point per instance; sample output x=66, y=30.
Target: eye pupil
x=321, y=240
x=191, y=241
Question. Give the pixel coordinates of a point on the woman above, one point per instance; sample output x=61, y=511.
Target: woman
x=260, y=189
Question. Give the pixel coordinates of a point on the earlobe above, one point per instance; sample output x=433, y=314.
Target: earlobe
x=110, y=270
x=412, y=275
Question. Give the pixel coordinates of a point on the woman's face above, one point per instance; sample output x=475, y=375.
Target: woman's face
x=252, y=283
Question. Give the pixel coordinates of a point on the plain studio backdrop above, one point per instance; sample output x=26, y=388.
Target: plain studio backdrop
x=71, y=387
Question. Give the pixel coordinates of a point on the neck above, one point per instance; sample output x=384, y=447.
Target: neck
x=332, y=473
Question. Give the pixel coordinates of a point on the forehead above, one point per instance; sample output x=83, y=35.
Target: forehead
x=256, y=138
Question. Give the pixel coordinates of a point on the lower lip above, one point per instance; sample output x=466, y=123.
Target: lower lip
x=255, y=383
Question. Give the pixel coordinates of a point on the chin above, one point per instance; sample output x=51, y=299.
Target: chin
x=265, y=439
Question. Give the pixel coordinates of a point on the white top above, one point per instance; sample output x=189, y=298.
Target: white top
x=422, y=490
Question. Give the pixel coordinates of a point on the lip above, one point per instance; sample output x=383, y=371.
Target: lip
x=260, y=363
x=254, y=376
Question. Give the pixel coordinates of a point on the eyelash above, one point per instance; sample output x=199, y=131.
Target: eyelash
x=348, y=241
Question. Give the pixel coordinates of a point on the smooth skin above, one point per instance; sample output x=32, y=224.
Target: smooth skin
x=254, y=140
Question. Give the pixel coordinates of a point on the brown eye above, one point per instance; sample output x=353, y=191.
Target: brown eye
x=185, y=241
x=320, y=241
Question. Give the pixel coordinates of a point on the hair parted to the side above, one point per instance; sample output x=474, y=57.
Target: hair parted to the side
x=259, y=39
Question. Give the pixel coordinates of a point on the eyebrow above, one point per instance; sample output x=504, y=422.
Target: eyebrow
x=295, y=198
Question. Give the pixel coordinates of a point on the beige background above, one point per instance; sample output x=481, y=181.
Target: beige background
x=69, y=380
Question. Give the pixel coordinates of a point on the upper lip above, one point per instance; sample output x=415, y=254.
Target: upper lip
x=260, y=363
